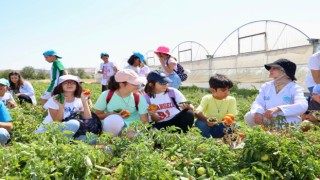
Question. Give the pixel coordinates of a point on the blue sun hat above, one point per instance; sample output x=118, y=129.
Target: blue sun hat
x=51, y=53
x=4, y=82
x=139, y=55
x=104, y=54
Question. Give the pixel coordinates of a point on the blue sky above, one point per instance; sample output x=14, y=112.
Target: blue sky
x=80, y=29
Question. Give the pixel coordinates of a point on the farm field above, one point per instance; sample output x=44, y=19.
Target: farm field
x=288, y=153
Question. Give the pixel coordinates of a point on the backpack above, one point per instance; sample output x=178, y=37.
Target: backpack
x=172, y=96
x=135, y=96
x=180, y=71
x=92, y=125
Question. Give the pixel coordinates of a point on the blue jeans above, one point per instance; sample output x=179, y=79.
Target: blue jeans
x=4, y=136
x=176, y=81
x=216, y=131
x=72, y=126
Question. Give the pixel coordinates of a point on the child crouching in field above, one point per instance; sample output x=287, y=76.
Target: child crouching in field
x=119, y=106
x=73, y=100
x=313, y=112
x=281, y=97
x=216, y=105
x=163, y=103
x=5, y=124
x=5, y=95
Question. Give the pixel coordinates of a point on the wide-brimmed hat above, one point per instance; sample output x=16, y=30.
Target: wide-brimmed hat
x=158, y=76
x=51, y=53
x=128, y=75
x=162, y=49
x=288, y=67
x=4, y=82
x=68, y=77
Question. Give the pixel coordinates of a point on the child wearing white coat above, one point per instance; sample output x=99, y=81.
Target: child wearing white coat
x=282, y=96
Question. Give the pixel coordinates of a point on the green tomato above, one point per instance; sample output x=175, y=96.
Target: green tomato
x=201, y=171
x=265, y=157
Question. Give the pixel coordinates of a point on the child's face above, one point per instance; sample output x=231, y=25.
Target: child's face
x=220, y=93
x=50, y=59
x=3, y=89
x=316, y=97
x=14, y=79
x=159, y=88
x=131, y=87
x=69, y=86
x=105, y=59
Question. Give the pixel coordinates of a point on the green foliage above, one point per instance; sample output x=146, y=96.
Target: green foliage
x=5, y=73
x=28, y=72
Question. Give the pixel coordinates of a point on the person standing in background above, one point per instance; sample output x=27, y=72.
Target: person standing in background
x=168, y=64
x=57, y=70
x=107, y=69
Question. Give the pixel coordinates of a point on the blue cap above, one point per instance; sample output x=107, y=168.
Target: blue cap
x=158, y=76
x=104, y=54
x=51, y=53
x=316, y=89
x=4, y=82
x=139, y=55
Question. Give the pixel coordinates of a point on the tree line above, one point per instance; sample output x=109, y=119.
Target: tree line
x=29, y=72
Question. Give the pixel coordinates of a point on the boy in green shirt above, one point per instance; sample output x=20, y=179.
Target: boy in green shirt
x=216, y=105
x=57, y=70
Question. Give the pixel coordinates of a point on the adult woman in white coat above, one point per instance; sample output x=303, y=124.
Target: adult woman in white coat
x=281, y=96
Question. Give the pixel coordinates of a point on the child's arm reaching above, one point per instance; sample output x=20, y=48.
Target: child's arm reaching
x=86, y=114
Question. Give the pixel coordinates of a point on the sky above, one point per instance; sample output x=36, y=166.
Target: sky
x=79, y=30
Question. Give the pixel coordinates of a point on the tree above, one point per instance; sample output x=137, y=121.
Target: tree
x=72, y=71
x=28, y=72
x=42, y=74
x=5, y=73
x=81, y=73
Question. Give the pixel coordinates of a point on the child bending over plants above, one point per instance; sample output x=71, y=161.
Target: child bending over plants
x=278, y=99
x=67, y=99
x=216, y=110
x=119, y=106
x=5, y=124
x=5, y=96
x=167, y=106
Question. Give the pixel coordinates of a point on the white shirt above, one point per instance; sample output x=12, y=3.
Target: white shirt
x=167, y=110
x=135, y=69
x=6, y=98
x=313, y=64
x=290, y=100
x=69, y=108
x=108, y=71
x=167, y=62
x=144, y=71
x=28, y=90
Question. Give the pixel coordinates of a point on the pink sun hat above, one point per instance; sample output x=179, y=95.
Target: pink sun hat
x=162, y=49
x=128, y=75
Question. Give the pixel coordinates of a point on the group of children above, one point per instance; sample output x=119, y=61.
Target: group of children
x=128, y=96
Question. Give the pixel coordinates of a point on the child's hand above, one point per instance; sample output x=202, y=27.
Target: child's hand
x=268, y=114
x=59, y=99
x=186, y=106
x=212, y=121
